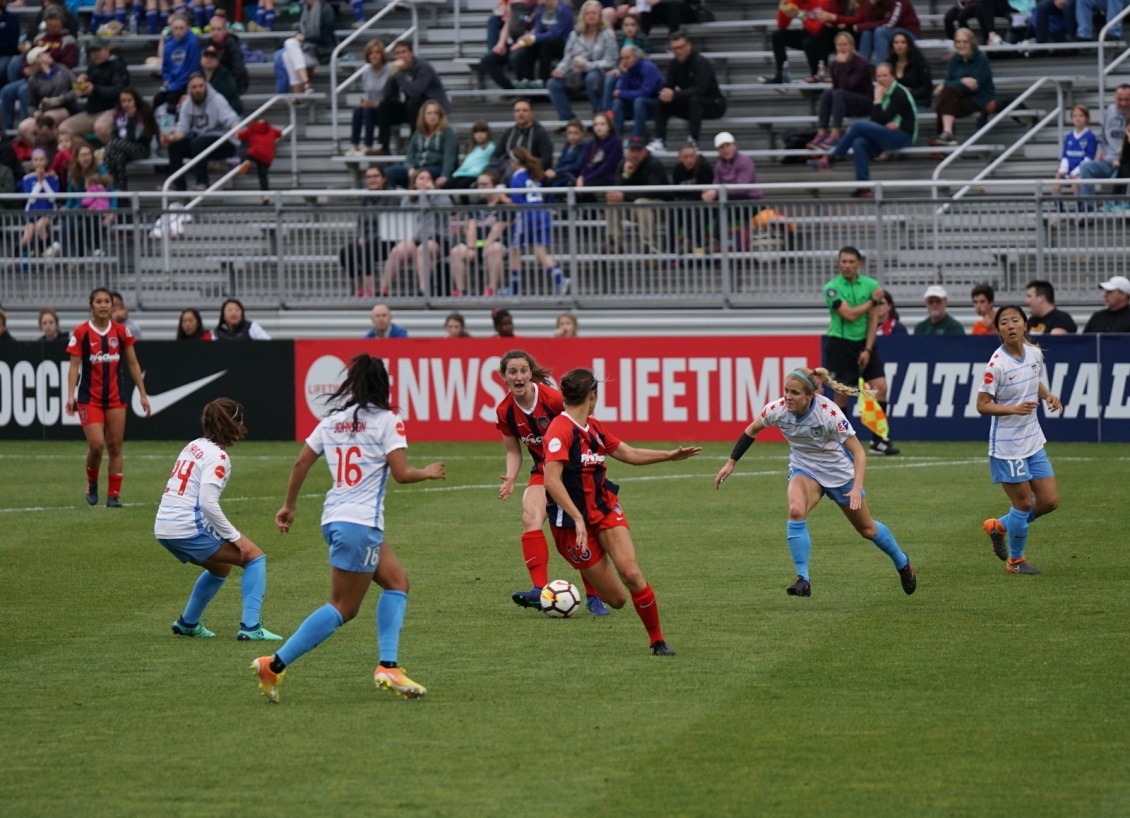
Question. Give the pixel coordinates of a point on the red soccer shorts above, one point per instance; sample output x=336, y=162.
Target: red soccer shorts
x=536, y=479
x=89, y=414
x=566, y=540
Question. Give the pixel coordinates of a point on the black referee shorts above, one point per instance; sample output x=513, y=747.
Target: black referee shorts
x=841, y=359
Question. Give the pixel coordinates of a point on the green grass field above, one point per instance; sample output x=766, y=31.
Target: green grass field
x=981, y=695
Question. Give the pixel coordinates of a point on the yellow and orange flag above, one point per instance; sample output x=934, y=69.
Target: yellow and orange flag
x=871, y=414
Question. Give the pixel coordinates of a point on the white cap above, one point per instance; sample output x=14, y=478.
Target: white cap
x=1117, y=283
x=33, y=55
x=724, y=138
x=936, y=291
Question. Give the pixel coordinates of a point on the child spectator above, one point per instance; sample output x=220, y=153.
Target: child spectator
x=39, y=185
x=983, y=297
x=1078, y=146
x=568, y=166
x=532, y=226
x=63, y=148
x=602, y=156
x=567, y=326
x=503, y=322
x=261, y=137
x=477, y=158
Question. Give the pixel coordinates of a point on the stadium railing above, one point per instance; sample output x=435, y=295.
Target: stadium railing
x=775, y=251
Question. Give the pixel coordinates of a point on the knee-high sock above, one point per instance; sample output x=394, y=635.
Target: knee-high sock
x=1016, y=522
x=206, y=587
x=120, y=15
x=648, y=611
x=252, y=586
x=92, y=474
x=115, y=485
x=885, y=541
x=536, y=551
x=198, y=15
x=316, y=629
x=799, y=545
x=153, y=21
x=358, y=10
x=269, y=19
x=589, y=590
x=390, y=619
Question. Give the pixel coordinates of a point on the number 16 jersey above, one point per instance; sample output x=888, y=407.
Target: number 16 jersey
x=357, y=454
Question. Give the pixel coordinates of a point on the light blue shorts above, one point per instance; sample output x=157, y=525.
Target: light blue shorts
x=1034, y=467
x=838, y=495
x=194, y=549
x=354, y=548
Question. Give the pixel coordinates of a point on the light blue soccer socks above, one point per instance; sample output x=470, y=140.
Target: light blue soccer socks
x=316, y=629
x=1016, y=523
x=252, y=586
x=207, y=586
x=390, y=619
x=885, y=541
x=800, y=544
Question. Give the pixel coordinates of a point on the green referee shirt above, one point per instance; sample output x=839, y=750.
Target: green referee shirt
x=852, y=293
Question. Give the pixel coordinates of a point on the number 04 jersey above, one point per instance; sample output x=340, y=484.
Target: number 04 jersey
x=357, y=454
x=183, y=514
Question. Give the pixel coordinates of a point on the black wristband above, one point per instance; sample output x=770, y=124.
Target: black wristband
x=744, y=442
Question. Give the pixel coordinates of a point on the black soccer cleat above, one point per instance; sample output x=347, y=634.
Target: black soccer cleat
x=908, y=578
x=802, y=587
x=884, y=447
x=112, y=501
x=92, y=494
x=660, y=648
x=528, y=599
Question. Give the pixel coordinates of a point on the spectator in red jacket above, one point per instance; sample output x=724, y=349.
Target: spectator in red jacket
x=813, y=36
x=260, y=137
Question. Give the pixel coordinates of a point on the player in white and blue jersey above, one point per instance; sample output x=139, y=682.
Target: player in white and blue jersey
x=533, y=225
x=192, y=526
x=825, y=458
x=1011, y=390
x=363, y=441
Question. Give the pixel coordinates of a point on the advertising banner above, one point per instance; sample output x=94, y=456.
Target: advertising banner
x=679, y=388
x=933, y=383
x=180, y=377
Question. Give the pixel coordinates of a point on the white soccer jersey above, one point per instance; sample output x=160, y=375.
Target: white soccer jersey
x=357, y=456
x=816, y=441
x=180, y=515
x=1012, y=381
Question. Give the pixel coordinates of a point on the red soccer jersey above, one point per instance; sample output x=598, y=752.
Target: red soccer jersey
x=530, y=427
x=102, y=379
x=582, y=449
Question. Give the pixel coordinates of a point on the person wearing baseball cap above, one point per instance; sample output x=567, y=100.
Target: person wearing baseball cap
x=1116, y=316
x=639, y=168
x=98, y=88
x=938, y=321
x=732, y=168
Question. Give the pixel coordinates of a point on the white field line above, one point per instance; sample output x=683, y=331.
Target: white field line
x=902, y=463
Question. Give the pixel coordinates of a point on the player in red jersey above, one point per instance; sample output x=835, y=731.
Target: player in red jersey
x=588, y=525
x=98, y=348
x=523, y=417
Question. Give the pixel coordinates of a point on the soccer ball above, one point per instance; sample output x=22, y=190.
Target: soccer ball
x=560, y=599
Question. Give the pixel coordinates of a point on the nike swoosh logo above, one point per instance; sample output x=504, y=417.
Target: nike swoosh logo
x=1012, y=377
x=158, y=403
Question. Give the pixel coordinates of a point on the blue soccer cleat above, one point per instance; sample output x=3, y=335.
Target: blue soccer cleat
x=528, y=599
x=596, y=605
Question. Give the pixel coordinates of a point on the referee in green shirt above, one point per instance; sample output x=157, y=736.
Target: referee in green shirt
x=850, y=352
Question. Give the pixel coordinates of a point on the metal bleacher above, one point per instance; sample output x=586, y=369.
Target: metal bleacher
x=238, y=247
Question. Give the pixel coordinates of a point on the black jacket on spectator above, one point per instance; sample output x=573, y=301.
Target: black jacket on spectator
x=649, y=172
x=231, y=58
x=900, y=104
x=916, y=79
x=108, y=80
x=418, y=86
x=695, y=78
x=224, y=83
x=9, y=34
x=535, y=139
x=701, y=174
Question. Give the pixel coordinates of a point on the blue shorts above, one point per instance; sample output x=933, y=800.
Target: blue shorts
x=354, y=548
x=532, y=227
x=838, y=495
x=1021, y=470
x=194, y=549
